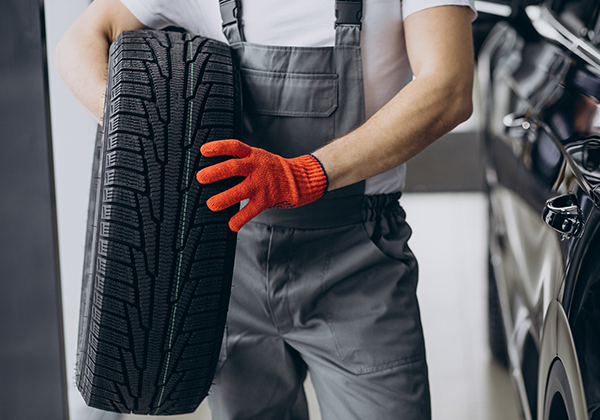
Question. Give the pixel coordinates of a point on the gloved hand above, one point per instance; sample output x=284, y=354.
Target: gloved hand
x=271, y=180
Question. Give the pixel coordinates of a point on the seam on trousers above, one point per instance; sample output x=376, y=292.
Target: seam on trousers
x=391, y=365
x=290, y=270
x=268, y=280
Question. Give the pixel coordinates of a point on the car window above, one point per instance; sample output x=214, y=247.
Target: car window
x=579, y=16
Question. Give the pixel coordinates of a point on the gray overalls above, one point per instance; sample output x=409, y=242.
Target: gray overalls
x=330, y=286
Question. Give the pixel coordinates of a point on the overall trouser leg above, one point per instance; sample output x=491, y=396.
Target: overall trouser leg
x=340, y=300
x=259, y=376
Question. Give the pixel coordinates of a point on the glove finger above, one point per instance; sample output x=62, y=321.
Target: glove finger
x=249, y=212
x=223, y=170
x=226, y=147
x=229, y=197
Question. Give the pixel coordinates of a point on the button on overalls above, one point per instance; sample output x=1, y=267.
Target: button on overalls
x=329, y=287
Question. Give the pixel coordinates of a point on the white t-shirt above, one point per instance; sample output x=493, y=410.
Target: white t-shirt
x=309, y=23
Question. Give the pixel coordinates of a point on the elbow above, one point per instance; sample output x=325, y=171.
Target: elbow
x=461, y=105
x=61, y=58
x=464, y=108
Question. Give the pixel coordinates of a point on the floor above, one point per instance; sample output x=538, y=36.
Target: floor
x=449, y=241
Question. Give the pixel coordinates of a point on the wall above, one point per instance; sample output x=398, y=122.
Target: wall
x=32, y=380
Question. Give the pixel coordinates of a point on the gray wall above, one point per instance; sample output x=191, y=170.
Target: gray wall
x=32, y=380
x=451, y=164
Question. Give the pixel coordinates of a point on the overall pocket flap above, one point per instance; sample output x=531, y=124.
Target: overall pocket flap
x=289, y=94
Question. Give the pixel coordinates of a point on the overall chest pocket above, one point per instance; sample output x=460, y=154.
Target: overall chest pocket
x=289, y=113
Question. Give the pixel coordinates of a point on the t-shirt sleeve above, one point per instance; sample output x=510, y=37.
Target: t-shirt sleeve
x=411, y=6
x=149, y=12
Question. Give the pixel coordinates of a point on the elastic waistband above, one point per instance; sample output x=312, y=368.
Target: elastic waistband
x=337, y=212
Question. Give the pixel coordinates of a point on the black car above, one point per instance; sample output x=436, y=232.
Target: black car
x=539, y=75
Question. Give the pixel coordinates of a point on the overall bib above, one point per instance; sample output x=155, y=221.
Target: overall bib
x=329, y=287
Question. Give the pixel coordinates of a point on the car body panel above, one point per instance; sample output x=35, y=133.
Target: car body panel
x=567, y=353
x=548, y=353
x=540, y=87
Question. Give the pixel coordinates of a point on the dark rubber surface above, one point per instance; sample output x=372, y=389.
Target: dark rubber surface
x=158, y=265
x=496, y=334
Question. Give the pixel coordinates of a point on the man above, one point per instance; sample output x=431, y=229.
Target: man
x=324, y=280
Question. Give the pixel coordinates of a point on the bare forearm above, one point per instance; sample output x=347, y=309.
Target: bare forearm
x=439, y=47
x=81, y=57
x=82, y=64
x=418, y=115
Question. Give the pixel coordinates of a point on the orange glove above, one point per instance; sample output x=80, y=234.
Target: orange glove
x=271, y=180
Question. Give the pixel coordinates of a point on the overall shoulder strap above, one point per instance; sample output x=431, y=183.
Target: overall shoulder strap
x=348, y=15
x=231, y=15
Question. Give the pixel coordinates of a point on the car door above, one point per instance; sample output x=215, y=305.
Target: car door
x=569, y=121
x=522, y=170
x=544, y=109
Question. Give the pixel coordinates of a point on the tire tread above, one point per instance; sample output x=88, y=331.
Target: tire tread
x=158, y=263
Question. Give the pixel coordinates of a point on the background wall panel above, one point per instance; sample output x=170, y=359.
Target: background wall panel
x=32, y=369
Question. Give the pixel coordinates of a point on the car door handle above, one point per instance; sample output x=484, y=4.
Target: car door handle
x=514, y=120
x=564, y=215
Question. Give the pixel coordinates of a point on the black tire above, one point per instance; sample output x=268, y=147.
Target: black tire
x=496, y=334
x=558, y=401
x=158, y=262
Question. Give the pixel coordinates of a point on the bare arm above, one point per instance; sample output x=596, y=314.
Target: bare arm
x=440, y=50
x=81, y=57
